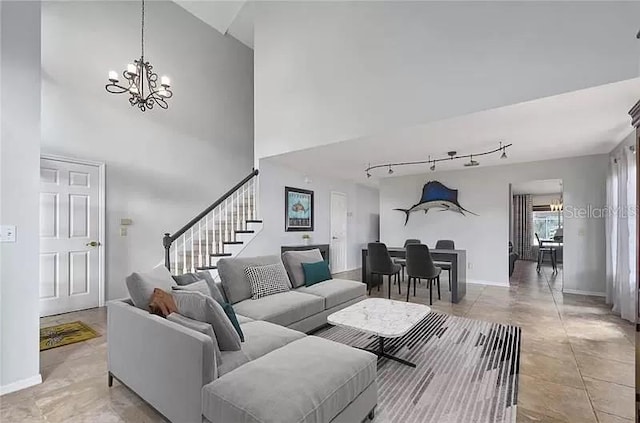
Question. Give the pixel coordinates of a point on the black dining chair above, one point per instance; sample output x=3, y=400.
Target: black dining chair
x=381, y=264
x=445, y=244
x=542, y=251
x=403, y=262
x=420, y=266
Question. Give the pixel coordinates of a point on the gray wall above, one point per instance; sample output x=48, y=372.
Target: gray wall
x=362, y=208
x=485, y=191
x=19, y=186
x=163, y=166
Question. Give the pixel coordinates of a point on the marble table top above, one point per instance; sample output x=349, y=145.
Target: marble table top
x=381, y=317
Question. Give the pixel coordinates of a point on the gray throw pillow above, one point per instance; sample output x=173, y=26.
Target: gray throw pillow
x=293, y=263
x=213, y=286
x=202, y=327
x=141, y=285
x=267, y=280
x=186, y=279
x=201, y=286
x=198, y=306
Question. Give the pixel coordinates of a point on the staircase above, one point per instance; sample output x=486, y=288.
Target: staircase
x=222, y=230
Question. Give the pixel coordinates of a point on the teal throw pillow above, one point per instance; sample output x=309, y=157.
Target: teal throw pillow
x=231, y=314
x=315, y=272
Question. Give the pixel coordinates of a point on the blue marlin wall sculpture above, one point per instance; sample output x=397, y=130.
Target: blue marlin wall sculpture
x=436, y=196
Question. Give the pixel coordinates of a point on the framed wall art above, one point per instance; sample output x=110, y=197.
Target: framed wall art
x=298, y=209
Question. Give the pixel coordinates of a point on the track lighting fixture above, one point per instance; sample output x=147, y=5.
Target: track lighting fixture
x=451, y=155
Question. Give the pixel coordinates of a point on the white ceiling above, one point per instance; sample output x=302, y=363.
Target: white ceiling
x=590, y=121
x=233, y=17
x=547, y=186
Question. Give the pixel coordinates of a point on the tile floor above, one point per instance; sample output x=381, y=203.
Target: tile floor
x=577, y=359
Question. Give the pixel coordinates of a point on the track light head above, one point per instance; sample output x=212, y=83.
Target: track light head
x=368, y=175
x=504, y=154
x=433, y=166
x=472, y=162
x=390, y=171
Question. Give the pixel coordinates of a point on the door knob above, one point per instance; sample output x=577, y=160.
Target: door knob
x=93, y=244
x=334, y=237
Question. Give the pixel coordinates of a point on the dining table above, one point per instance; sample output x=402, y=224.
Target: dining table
x=457, y=259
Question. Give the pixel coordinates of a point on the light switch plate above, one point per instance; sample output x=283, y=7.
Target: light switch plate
x=7, y=233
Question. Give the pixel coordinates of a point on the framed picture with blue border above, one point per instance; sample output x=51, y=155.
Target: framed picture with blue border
x=298, y=209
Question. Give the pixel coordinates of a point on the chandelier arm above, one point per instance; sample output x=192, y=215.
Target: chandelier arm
x=466, y=156
x=114, y=88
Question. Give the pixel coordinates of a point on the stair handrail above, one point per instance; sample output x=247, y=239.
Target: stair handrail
x=168, y=238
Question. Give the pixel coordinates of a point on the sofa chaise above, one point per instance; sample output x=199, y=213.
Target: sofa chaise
x=280, y=375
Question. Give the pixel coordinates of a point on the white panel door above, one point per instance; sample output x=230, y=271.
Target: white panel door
x=70, y=214
x=338, y=247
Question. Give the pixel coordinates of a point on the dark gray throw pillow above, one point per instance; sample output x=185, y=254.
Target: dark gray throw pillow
x=198, y=306
x=186, y=279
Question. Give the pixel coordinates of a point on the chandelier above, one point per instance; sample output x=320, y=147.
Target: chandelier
x=451, y=155
x=141, y=82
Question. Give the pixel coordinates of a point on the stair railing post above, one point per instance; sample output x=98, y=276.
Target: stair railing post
x=166, y=242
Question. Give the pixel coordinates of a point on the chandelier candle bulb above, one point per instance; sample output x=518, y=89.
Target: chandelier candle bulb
x=131, y=68
x=113, y=76
x=165, y=81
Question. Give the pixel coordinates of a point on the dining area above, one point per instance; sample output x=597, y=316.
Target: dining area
x=415, y=263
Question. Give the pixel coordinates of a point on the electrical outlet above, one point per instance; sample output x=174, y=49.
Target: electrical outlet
x=470, y=265
x=7, y=233
x=123, y=231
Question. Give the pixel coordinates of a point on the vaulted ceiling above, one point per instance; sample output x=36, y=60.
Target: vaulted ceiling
x=234, y=18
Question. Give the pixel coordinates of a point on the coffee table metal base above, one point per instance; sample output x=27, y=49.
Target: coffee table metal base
x=380, y=353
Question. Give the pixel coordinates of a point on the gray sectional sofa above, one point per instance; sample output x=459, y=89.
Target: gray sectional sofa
x=280, y=375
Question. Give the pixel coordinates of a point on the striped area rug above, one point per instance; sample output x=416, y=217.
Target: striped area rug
x=467, y=371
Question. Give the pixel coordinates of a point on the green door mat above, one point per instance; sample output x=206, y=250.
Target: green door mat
x=65, y=334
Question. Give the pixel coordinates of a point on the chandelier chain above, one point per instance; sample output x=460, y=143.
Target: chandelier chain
x=142, y=33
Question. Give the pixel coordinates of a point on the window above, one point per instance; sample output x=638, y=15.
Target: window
x=545, y=224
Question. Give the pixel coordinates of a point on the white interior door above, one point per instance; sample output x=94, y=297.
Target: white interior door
x=70, y=236
x=338, y=247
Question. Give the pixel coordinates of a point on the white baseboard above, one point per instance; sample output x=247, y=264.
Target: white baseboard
x=492, y=283
x=21, y=384
x=580, y=292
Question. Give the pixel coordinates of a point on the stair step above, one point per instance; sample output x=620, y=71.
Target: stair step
x=221, y=255
x=253, y=221
x=233, y=242
x=243, y=231
x=207, y=268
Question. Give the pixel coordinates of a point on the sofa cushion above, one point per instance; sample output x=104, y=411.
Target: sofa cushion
x=141, y=285
x=282, y=309
x=234, y=281
x=260, y=338
x=316, y=380
x=293, y=263
x=267, y=280
x=243, y=319
x=335, y=291
x=198, y=306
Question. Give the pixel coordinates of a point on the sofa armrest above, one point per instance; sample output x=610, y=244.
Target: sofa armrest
x=166, y=364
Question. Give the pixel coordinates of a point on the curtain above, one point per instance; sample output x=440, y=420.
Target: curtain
x=621, y=240
x=523, y=226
